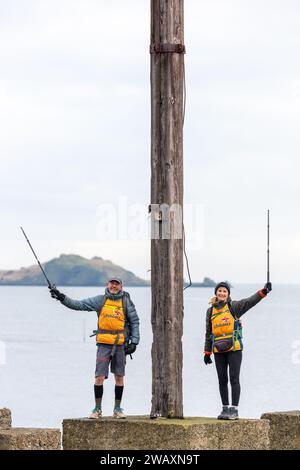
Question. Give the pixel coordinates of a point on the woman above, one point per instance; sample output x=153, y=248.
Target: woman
x=224, y=339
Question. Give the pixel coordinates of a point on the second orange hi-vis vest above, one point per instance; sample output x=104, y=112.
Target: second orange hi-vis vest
x=226, y=331
x=111, y=320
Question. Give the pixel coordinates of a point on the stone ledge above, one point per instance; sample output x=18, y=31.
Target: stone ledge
x=30, y=439
x=284, y=431
x=5, y=418
x=141, y=433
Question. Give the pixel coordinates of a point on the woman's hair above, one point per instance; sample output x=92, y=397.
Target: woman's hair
x=213, y=300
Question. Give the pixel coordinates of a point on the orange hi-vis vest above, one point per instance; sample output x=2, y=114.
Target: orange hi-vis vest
x=226, y=331
x=111, y=323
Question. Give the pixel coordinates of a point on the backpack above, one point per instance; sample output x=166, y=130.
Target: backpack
x=125, y=298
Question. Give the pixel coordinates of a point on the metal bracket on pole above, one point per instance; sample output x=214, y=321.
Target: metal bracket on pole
x=157, y=214
x=166, y=48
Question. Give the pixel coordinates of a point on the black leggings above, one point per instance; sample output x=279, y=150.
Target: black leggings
x=233, y=359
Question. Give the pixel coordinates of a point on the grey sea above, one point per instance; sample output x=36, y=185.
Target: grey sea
x=47, y=358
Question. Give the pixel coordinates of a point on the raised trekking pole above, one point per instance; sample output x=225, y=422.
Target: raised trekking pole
x=268, y=250
x=48, y=282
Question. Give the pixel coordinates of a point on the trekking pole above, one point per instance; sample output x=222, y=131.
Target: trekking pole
x=48, y=282
x=268, y=250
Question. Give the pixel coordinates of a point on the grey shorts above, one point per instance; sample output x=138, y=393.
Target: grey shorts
x=117, y=363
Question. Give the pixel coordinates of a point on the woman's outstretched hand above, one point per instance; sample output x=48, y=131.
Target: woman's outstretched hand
x=267, y=288
x=207, y=358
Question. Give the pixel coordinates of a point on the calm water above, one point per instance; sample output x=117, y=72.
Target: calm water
x=49, y=368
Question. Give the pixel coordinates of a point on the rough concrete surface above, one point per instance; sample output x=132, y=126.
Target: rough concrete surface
x=30, y=439
x=5, y=418
x=284, y=431
x=141, y=433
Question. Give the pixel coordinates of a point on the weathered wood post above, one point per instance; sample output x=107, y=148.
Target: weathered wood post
x=167, y=79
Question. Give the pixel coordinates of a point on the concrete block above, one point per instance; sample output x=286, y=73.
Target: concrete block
x=30, y=439
x=284, y=431
x=141, y=433
x=5, y=418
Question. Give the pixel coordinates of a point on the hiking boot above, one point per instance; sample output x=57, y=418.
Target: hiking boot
x=224, y=413
x=119, y=413
x=233, y=413
x=96, y=413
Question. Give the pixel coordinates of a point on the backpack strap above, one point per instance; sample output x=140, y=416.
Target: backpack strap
x=104, y=299
x=231, y=310
x=212, y=336
x=237, y=333
x=125, y=297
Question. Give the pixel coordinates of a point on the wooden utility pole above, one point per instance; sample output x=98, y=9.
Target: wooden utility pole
x=167, y=88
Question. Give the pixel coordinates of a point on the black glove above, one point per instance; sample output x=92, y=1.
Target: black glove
x=55, y=294
x=267, y=288
x=130, y=348
x=207, y=359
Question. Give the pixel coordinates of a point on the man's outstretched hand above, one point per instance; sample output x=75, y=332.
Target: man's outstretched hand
x=55, y=294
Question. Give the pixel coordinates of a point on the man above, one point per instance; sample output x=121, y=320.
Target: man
x=117, y=335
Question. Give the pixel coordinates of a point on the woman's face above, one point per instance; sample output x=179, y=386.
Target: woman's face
x=222, y=294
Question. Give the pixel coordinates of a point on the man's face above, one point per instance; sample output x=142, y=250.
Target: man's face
x=114, y=287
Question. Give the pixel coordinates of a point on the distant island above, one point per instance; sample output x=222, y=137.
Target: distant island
x=71, y=270
x=207, y=282
x=75, y=270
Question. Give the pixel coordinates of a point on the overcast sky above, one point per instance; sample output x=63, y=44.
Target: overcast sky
x=75, y=131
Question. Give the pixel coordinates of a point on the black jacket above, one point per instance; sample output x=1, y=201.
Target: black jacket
x=237, y=308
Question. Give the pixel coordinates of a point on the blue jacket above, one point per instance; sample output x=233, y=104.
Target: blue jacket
x=94, y=304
